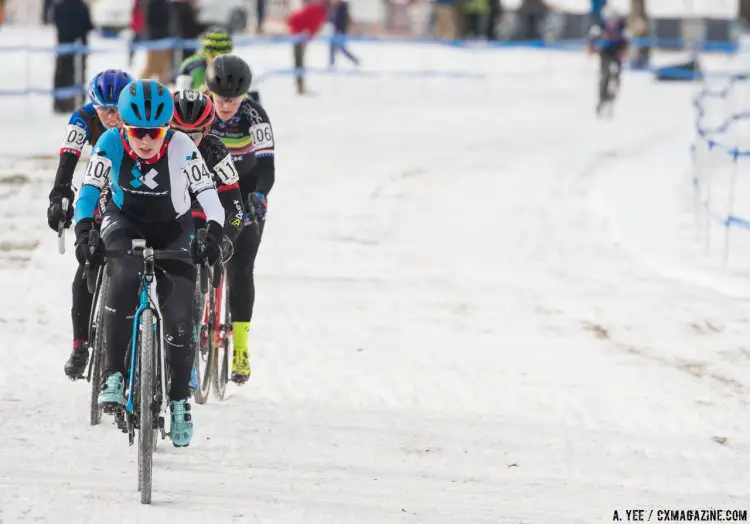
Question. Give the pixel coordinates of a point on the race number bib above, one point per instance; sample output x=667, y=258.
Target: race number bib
x=226, y=171
x=198, y=176
x=75, y=138
x=262, y=136
x=97, y=171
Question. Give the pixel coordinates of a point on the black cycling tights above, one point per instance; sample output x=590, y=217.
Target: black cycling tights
x=240, y=272
x=81, y=310
x=175, y=287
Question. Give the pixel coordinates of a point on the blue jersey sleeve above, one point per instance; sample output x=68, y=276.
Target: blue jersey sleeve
x=81, y=118
x=102, y=171
x=78, y=132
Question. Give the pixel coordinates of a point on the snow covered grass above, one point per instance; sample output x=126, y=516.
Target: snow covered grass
x=459, y=317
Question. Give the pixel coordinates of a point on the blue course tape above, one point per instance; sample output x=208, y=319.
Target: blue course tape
x=709, y=136
x=172, y=43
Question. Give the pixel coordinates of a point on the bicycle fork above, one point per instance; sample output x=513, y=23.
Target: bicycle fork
x=149, y=299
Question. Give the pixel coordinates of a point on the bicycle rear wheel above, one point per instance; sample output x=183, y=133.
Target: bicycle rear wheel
x=97, y=353
x=223, y=342
x=146, y=370
x=202, y=359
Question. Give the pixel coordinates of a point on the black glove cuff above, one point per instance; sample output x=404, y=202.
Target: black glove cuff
x=82, y=229
x=61, y=191
x=214, y=231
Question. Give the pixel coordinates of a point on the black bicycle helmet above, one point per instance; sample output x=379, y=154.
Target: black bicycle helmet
x=228, y=76
x=192, y=110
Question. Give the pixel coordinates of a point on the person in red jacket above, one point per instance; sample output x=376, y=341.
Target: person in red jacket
x=305, y=22
x=137, y=25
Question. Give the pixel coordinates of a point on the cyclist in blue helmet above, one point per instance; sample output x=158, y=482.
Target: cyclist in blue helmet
x=86, y=125
x=152, y=171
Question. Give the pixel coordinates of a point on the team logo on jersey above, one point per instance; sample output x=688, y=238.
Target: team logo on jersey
x=140, y=180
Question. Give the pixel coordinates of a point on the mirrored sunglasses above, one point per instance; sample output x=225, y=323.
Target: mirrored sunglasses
x=110, y=110
x=142, y=132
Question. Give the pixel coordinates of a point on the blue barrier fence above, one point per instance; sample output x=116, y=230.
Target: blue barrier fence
x=176, y=43
x=713, y=140
x=245, y=42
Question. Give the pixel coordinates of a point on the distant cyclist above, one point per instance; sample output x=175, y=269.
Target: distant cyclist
x=609, y=38
x=216, y=41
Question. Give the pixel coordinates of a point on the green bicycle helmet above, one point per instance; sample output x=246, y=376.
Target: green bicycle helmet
x=216, y=41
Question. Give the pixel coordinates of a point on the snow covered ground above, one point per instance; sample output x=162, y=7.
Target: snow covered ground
x=476, y=303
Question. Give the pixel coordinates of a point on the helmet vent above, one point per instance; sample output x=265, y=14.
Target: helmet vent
x=137, y=113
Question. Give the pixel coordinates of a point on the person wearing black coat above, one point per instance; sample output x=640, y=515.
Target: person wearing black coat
x=532, y=13
x=183, y=20
x=496, y=15
x=73, y=22
x=157, y=27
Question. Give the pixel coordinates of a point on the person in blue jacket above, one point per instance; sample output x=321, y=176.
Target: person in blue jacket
x=341, y=20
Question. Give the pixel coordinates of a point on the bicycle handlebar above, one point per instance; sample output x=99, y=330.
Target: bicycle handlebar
x=158, y=254
x=213, y=272
x=139, y=250
x=61, y=228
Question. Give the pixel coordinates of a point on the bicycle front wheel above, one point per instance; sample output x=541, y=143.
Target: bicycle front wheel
x=97, y=353
x=147, y=356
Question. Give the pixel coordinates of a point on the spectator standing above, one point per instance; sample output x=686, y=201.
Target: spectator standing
x=496, y=15
x=158, y=61
x=73, y=22
x=477, y=15
x=532, y=13
x=445, y=19
x=260, y=15
x=47, y=12
x=304, y=23
x=137, y=25
x=184, y=26
x=341, y=21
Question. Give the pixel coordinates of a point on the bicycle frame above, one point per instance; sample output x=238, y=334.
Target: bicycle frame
x=216, y=321
x=148, y=299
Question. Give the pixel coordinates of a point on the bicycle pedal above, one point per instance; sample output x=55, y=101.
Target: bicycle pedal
x=111, y=409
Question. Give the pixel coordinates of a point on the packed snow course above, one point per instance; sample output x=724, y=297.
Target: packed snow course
x=475, y=303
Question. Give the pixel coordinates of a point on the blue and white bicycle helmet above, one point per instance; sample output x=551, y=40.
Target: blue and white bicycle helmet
x=105, y=87
x=146, y=103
